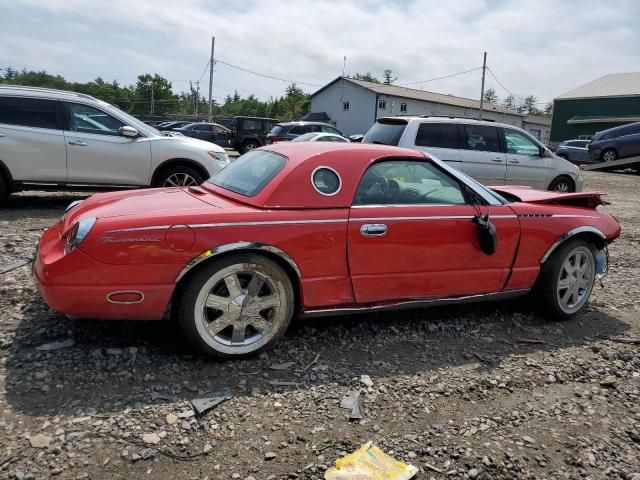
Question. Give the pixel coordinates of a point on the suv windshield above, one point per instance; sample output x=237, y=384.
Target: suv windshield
x=385, y=132
x=250, y=173
x=132, y=121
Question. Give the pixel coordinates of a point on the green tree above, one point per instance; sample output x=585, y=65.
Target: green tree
x=509, y=102
x=159, y=88
x=388, y=77
x=295, y=102
x=490, y=96
x=530, y=105
x=366, y=77
x=548, y=109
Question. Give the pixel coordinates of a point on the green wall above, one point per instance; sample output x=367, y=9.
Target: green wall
x=563, y=110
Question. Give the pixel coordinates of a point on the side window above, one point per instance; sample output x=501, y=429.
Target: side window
x=440, y=135
x=481, y=137
x=403, y=107
x=28, y=112
x=250, y=124
x=86, y=119
x=520, y=144
x=202, y=127
x=217, y=129
x=408, y=182
x=300, y=129
x=382, y=104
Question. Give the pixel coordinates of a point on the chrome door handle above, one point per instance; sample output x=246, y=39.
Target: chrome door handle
x=2, y=135
x=496, y=160
x=514, y=161
x=373, y=230
x=78, y=143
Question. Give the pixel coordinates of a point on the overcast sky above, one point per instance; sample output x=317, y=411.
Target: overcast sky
x=541, y=47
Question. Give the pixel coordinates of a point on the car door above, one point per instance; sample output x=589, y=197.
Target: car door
x=411, y=235
x=32, y=143
x=97, y=154
x=628, y=143
x=481, y=153
x=220, y=135
x=440, y=140
x=525, y=164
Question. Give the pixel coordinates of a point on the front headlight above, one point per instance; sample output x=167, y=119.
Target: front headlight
x=78, y=233
x=220, y=156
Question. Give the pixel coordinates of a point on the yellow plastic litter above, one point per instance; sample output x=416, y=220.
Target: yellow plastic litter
x=369, y=463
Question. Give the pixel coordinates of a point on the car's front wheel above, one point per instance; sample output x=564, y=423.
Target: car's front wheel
x=236, y=306
x=609, y=155
x=179, y=176
x=562, y=185
x=567, y=278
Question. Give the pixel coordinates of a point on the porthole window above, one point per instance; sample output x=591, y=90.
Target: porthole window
x=326, y=181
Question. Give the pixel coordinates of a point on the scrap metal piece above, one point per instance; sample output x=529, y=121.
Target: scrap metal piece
x=203, y=404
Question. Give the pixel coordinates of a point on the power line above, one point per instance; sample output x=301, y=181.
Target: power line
x=204, y=70
x=442, y=78
x=268, y=76
x=509, y=91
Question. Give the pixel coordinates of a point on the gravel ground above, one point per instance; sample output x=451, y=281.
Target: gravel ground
x=488, y=391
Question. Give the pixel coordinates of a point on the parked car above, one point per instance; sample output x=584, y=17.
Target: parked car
x=209, y=132
x=614, y=143
x=320, y=137
x=575, y=151
x=52, y=139
x=318, y=229
x=171, y=125
x=286, y=131
x=492, y=153
x=250, y=132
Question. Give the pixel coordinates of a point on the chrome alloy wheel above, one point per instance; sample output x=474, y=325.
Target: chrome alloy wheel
x=562, y=186
x=240, y=309
x=608, y=156
x=575, y=279
x=180, y=180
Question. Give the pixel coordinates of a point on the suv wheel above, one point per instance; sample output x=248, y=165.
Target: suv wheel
x=609, y=155
x=179, y=176
x=249, y=145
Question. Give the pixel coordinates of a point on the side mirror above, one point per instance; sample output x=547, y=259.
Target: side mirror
x=129, y=132
x=356, y=138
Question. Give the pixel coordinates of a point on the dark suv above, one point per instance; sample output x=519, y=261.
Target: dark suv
x=615, y=143
x=250, y=132
x=283, y=132
x=209, y=132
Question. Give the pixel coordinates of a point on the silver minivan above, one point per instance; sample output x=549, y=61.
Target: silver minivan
x=492, y=153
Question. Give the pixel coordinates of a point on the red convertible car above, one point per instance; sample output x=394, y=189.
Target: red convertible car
x=318, y=229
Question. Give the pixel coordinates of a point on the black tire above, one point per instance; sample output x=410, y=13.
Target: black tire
x=548, y=287
x=228, y=283
x=248, y=145
x=609, y=155
x=171, y=176
x=562, y=184
x=4, y=191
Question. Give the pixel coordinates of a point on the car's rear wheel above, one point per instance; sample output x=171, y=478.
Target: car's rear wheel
x=609, y=155
x=236, y=306
x=562, y=184
x=567, y=278
x=179, y=176
x=249, y=145
x=4, y=191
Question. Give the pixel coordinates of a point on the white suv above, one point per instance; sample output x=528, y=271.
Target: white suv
x=52, y=139
x=492, y=153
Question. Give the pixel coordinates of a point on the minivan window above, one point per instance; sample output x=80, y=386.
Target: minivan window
x=249, y=174
x=481, y=137
x=520, y=144
x=276, y=130
x=385, y=132
x=439, y=135
x=300, y=129
x=28, y=112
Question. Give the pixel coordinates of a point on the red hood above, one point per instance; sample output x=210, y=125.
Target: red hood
x=530, y=195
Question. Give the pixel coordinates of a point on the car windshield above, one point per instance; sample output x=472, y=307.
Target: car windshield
x=385, y=133
x=250, y=173
x=306, y=137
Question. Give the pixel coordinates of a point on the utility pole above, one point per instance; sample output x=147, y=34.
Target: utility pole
x=484, y=70
x=213, y=43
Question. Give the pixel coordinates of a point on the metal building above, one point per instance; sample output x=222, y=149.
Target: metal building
x=607, y=102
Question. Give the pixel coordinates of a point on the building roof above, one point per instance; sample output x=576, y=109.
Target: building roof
x=424, y=95
x=612, y=85
x=538, y=120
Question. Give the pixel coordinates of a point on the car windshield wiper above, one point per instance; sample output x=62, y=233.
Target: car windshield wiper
x=377, y=142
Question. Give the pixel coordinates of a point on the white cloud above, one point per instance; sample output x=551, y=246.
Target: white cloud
x=543, y=48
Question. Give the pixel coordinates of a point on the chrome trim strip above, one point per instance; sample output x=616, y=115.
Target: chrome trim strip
x=414, y=303
x=230, y=247
x=231, y=224
x=573, y=216
x=125, y=291
x=569, y=234
x=42, y=184
x=433, y=217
